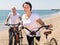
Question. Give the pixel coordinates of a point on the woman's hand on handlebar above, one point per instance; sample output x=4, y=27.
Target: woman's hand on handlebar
x=49, y=26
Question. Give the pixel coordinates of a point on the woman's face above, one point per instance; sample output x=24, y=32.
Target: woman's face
x=26, y=8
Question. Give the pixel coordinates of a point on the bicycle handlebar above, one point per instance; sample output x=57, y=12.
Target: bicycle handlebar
x=46, y=26
x=12, y=24
x=34, y=32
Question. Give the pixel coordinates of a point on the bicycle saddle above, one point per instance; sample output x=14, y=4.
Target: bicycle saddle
x=47, y=32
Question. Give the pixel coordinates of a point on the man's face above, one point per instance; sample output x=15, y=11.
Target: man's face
x=14, y=10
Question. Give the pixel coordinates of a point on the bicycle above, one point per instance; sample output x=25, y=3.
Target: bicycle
x=36, y=42
x=16, y=33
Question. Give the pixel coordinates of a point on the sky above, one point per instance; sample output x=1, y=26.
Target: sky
x=36, y=4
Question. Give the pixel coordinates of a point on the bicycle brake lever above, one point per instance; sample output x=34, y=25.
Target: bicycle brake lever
x=50, y=29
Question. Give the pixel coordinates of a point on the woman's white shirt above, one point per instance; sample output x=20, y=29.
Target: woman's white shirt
x=31, y=23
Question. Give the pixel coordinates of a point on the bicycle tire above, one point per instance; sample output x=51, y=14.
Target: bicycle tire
x=10, y=37
x=53, y=40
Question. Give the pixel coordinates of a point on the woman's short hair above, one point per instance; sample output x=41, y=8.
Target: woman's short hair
x=28, y=4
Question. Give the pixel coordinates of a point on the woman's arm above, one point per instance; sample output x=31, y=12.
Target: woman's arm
x=40, y=22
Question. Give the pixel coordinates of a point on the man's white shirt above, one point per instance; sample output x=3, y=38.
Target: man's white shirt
x=14, y=19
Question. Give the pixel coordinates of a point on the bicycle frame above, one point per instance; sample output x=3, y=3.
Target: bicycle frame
x=15, y=32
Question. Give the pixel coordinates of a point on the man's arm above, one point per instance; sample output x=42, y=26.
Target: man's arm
x=7, y=19
x=20, y=17
x=21, y=22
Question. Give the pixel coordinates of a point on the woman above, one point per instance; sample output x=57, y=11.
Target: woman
x=31, y=20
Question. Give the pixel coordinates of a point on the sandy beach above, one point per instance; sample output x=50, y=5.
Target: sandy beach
x=55, y=20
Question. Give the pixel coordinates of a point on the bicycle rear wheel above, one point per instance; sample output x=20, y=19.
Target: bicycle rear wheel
x=53, y=41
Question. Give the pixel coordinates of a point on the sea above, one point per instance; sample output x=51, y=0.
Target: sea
x=41, y=13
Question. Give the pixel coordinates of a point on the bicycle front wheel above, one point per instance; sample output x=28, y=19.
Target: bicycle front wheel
x=53, y=41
